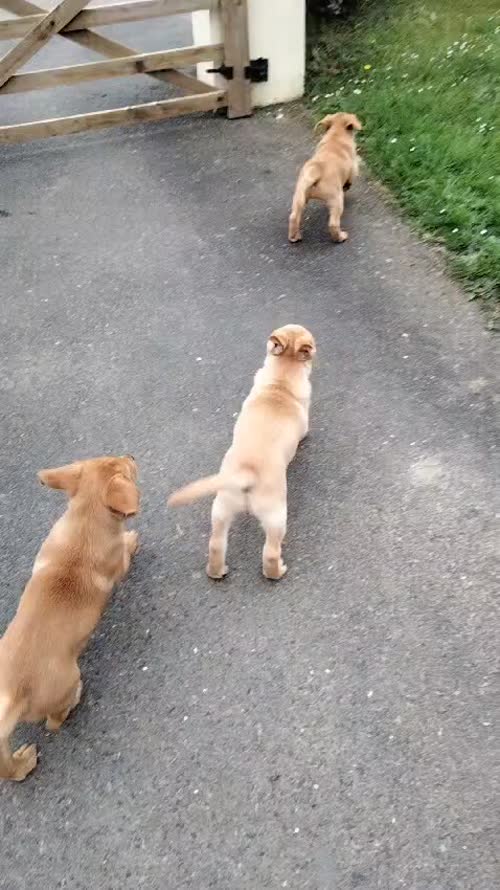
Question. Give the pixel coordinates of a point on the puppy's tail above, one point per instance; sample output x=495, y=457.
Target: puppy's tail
x=241, y=481
x=18, y=767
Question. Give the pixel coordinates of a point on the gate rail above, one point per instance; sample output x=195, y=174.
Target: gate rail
x=35, y=26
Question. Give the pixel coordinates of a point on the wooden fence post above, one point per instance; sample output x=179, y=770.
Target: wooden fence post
x=234, y=14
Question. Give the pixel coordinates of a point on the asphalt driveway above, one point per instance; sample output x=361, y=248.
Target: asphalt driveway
x=335, y=730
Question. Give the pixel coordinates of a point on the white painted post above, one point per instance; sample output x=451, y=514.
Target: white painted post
x=277, y=31
x=207, y=28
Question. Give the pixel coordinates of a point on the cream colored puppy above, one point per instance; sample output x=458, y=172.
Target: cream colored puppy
x=331, y=171
x=86, y=553
x=252, y=478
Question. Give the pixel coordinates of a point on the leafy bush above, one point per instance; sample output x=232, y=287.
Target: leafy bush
x=326, y=9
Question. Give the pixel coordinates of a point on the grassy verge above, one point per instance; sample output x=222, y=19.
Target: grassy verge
x=425, y=80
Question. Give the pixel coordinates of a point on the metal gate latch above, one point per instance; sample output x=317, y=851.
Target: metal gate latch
x=225, y=70
x=256, y=71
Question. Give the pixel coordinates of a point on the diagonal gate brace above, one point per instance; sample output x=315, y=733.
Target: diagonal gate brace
x=39, y=35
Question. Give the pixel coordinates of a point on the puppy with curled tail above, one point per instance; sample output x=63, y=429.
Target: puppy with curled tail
x=328, y=174
x=273, y=419
x=85, y=554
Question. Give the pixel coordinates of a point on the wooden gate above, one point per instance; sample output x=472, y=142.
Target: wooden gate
x=35, y=26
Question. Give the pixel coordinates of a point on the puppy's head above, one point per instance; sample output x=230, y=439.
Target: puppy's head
x=111, y=481
x=292, y=341
x=341, y=120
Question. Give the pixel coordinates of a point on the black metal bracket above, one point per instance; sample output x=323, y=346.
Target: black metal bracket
x=256, y=72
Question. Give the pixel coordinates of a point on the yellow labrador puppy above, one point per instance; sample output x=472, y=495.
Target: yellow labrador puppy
x=252, y=478
x=331, y=171
x=86, y=553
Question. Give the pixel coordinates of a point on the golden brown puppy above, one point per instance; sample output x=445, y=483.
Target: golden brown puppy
x=85, y=554
x=330, y=171
x=252, y=478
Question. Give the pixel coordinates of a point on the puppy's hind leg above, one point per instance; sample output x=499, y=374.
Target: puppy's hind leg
x=295, y=218
x=222, y=516
x=55, y=720
x=308, y=176
x=336, y=207
x=274, y=525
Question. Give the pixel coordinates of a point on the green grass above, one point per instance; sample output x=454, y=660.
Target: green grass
x=424, y=78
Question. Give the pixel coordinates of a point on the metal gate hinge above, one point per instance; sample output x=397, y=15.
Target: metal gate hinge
x=256, y=71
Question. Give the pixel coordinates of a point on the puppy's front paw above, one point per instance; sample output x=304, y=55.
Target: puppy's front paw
x=132, y=542
x=216, y=573
x=25, y=760
x=294, y=237
x=343, y=236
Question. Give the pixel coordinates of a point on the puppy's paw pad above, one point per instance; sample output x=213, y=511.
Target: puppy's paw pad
x=343, y=237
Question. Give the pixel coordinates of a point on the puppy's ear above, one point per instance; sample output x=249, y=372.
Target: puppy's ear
x=277, y=343
x=122, y=495
x=353, y=123
x=65, y=478
x=306, y=350
x=325, y=123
